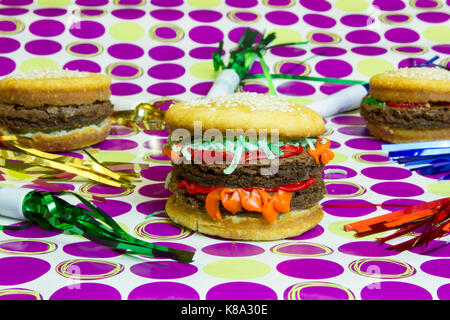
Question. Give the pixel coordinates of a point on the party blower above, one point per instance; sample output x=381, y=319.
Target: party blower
x=51, y=212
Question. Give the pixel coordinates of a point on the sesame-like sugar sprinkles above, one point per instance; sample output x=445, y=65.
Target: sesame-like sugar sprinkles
x=421, y=73
x=47, y=74
x=255, y=101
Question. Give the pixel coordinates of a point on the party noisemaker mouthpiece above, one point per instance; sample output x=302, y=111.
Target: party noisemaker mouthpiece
x=51, y=212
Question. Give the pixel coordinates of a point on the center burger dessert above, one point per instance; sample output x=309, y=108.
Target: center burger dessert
x=59, y=110
x=408, y=105
x=246, y=166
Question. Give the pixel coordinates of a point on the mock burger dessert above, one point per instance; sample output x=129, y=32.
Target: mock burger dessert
x=61, y=110
x=246, y=166
x=408, y=105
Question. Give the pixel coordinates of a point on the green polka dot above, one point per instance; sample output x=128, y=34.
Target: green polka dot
x=301, y=101
x=337, y=228
x=114, y=156
x=204, y=3
x=441, y=188
x=38, y=63
x=352, y=5
x=204, y=70
x=285, y=35
x=54, y=3
x=338, y=158
x=437, y=34
x=237, y=269
x=126, y=31
x=372, y=66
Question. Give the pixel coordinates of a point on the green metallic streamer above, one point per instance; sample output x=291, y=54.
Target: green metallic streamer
x=51, y=212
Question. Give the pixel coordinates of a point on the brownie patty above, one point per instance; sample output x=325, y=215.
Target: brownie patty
x=437, y=116
x=19, y=119
x=283, y=171
x=301, y=199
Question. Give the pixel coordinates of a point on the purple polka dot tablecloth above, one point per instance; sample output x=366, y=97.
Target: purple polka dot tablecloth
x=155, y=49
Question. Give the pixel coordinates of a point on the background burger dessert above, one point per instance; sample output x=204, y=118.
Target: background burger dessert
x=408, y=105
x=61, y=110
x=236, y=198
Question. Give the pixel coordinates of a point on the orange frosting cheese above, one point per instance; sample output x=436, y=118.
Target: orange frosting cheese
x=321, y=151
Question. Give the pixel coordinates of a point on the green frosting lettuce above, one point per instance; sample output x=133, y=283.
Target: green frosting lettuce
x=372, y=101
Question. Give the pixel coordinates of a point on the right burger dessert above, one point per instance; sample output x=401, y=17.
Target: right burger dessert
x=408, y=105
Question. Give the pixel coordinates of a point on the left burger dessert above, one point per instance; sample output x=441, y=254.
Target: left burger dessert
x=60, y=110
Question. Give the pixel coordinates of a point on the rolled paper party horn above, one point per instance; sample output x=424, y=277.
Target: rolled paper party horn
x=51, y=212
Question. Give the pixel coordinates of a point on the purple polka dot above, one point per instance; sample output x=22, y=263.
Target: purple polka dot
x=87, y=29
x=389, y=269
x=296, y=88
x=83, y=65
x=50, y=12
x=166, y=89
x=369, y=50
x=236, y=34
x=321, y=37
x=128, y=13
x=394, y=290
x=283, y=18
x=202, y=52
x=155, y=190
x=349, y=208
x=287, y=52
x=125, y=89
x=442, y=48
x=363, y=37
x=434, y=248
x=125, y=51
x=125, y=71
x=367, y=249
x=443, y=292
x=398, y=204
x=349, y=120
x=111, y=207
x=166, y=71
x=205, y=15
x=306, y=268
x=334, y=68
x=167, y=14
x=33, y=231
x=206, y=34
x=163, y=270
x=165, y=53
x=319, y=20
x=433, y=17
x=17, y=270
x=337, y=172
x=240, y=291
x=389, y=5
x=201, y=88
x=92, y=13
x=232, y=249
x=167, y=3
x=241, y=3
x=16, y=2
x=49, y=187
x=320, y=291
x=254, y=87
x=116, y=144
x=26, y=246
x=89, y=249
x=156, y=173
x=409, y=49
x=364, y=144
x=300, y=248
x=310, y=234
x=295, y=68
x=93, y=3
x=243, y=16
x=355, y=131
x=7, y=26
x=426, y=4
x=85, y=49
x=316, y=5
x=328, y=51
x=47, y=28
x=386, y=173
x=357, y=20
x=8, y=45
x=401, y=35
x=148, y=207
x=374, y=158
x=86, y=291
x=397, y=189
x=163, y=291
x=437, y=267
